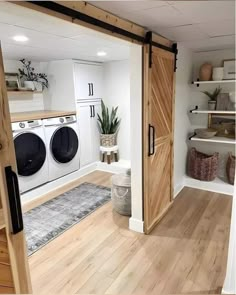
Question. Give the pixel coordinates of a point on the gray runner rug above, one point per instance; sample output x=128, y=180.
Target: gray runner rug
x=47, y=221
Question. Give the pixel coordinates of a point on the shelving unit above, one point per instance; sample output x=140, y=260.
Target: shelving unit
x=215, y=139
x=23, y=92
x=198, y=83
x=197, y=111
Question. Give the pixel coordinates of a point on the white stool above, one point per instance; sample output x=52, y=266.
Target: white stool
x=108, y=150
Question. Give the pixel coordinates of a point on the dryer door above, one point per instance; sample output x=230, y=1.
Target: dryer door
x=30, y=153
x=64, y=144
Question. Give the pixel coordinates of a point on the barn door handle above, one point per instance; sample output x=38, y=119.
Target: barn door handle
x=14, y=200
x=91, y=111
x=151, y=140
x=92, y=88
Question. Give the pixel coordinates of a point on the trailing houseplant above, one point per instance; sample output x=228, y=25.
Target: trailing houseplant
x=32, y=80
x=212, y=98
x=108, y=124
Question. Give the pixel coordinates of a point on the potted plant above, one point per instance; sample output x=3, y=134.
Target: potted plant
x=212, y=98
x=32, y=80
x=108, y=125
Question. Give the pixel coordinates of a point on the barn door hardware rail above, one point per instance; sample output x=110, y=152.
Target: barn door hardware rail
x=96, y=22
x=14, y=200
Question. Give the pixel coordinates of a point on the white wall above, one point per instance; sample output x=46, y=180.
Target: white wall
x=116, y=85
x=136, y=220
x=28, y=101
x=182, y=123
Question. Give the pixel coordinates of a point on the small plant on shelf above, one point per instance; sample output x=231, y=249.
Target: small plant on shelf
x=32, y=80
x=212, y=98
x=108, y=125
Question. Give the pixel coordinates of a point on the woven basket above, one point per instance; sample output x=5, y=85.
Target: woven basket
x=202, y=166
x=108, y=139
x=230, y=169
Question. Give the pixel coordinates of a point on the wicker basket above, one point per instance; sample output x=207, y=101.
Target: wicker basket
x=202, y=166
x=108, y=139
x=230, y=169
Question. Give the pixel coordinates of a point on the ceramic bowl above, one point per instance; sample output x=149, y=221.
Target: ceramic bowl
x=205, y=132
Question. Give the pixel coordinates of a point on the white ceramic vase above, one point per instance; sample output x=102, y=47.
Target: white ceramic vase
x=29, y=85
x=211, y=105
x=218, y=74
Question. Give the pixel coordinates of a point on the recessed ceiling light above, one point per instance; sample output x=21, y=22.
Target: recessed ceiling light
x=20, y=38
x=101, y=53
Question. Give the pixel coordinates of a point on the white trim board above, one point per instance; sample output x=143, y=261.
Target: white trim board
x=216, y=186
x=136, y=225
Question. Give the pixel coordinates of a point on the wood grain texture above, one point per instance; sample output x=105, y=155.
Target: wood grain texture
x=100, y=14
x=37, y=115
x=186, y=253
x=15, y=275
x=158, y=111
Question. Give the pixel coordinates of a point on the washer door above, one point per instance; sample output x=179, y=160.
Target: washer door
x=30, y=153
x=64, y=144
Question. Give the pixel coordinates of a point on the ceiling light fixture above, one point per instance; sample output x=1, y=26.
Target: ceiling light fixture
x=20, y=38
x=101, y=53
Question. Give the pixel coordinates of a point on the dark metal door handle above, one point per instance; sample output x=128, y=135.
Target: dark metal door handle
x=92, y=88
x=89, y=84
x=151, y=147
x=91, y=111
x=14, y=200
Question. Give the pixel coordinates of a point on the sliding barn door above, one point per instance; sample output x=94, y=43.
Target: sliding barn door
x=14, y=271
x=158, y=134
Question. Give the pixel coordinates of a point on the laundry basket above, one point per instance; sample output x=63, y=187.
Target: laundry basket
x=230, y=168
x=121, y=193
x=202, y=166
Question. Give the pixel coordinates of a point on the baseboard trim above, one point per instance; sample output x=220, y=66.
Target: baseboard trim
x=115, y=167
x=178, y=189
x=228, y=292
x=136, y=225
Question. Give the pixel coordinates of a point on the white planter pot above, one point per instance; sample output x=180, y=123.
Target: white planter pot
x=211, y=105
x=29, y=85
x=218, y=74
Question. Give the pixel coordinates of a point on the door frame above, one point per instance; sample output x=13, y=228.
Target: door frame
x=15, y=239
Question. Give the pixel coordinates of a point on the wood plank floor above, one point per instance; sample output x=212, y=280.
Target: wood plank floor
x=185, y=254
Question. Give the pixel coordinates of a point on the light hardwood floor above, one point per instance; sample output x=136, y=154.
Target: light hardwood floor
x=185, y=254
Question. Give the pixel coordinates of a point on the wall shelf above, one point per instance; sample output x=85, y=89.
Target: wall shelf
x=23, y=92
x=215, y=139
x=217, y=112
x=198, y=83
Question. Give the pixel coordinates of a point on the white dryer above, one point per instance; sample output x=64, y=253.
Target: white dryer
x=62, y=145
x=31, y=156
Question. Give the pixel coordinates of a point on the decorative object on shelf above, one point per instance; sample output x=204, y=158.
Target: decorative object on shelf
x=205, y=132
x=230, y=168
x=12, y=81
x=108, y=125
x=205, y=73
x=229, y=69
x=121, y=193
x=32, y=80
x=202, y=166
x=213, y=96
x=225, y=127
x=232, y=97
x=223, y=102
x=218, y=74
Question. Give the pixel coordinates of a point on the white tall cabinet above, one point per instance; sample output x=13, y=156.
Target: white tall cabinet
x=77, y=85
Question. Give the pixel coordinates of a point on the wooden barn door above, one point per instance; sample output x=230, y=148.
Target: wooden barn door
x=14, y=271
x=158, y=133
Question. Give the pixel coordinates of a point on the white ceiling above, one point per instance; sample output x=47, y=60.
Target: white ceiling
x=199, y=25
x=52, y=39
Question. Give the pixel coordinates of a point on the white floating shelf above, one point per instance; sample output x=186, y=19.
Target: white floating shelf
x=213, y=112
x=214, y=82
x=215, y=139
x=217, y=185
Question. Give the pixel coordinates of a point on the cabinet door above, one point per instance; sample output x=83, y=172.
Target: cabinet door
x=95, y=76
x=85, y=118
x=95, y=133
x=81, y=79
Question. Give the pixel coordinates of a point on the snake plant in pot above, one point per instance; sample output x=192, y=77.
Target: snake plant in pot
x=108, y=124
x=212, y=98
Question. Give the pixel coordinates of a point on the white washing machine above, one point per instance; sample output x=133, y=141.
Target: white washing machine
x=62, y=145
x=31, y=156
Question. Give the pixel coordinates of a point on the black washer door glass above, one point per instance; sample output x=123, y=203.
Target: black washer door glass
x=64, y=144
x=30, y=153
